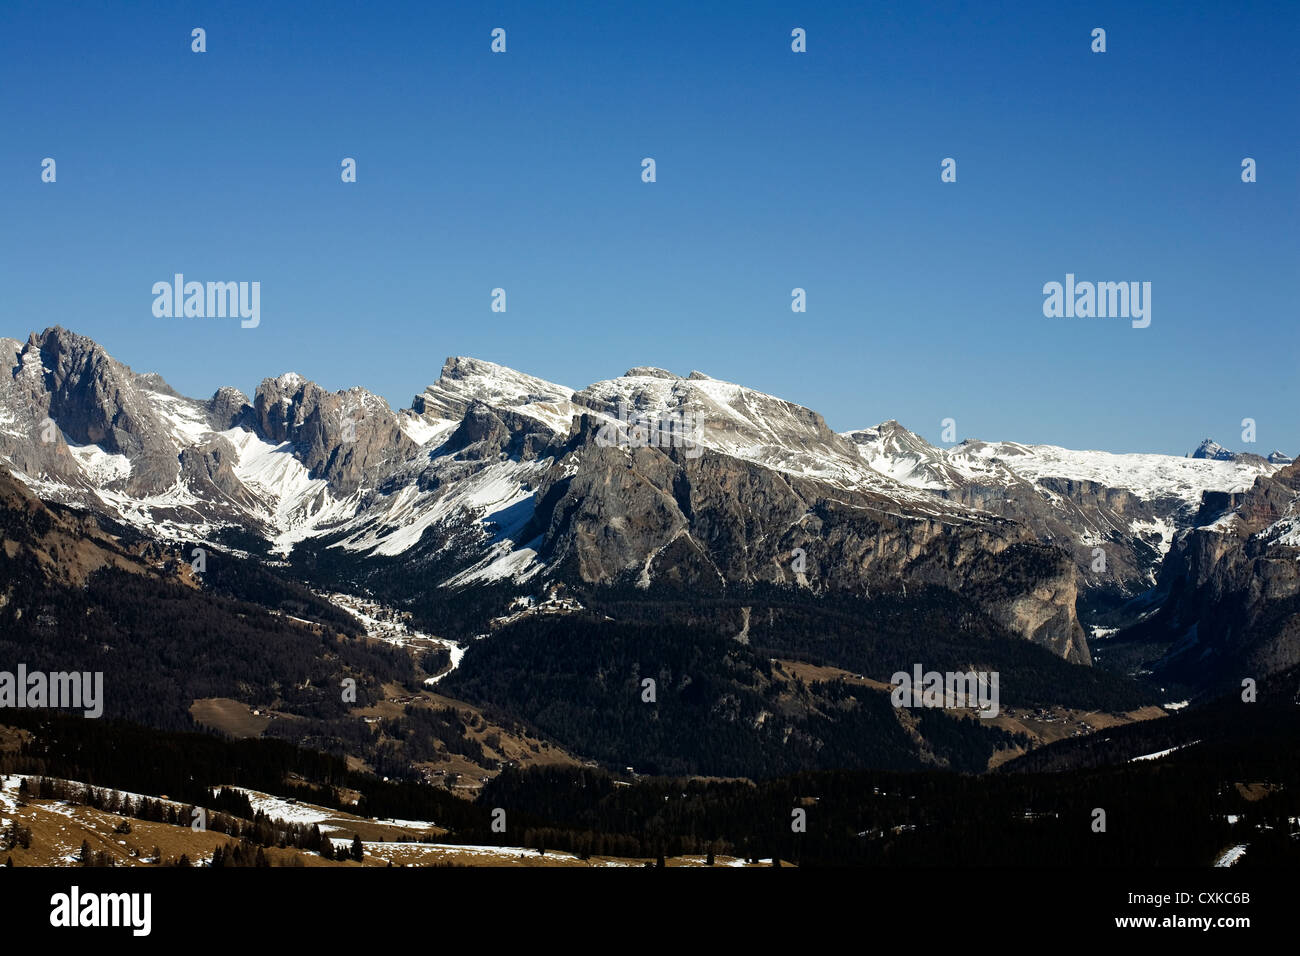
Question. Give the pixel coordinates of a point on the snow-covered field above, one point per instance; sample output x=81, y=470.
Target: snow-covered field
x=1163, y=753
x=291, y=811
x=1146, y=476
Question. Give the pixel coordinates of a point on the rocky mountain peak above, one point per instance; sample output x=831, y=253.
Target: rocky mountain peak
x=465, y=381
x=1209, y=448
x=95, y=403
x=348, y=438
x=1213, y=451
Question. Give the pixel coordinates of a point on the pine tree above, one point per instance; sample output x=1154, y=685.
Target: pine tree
x=357, y=850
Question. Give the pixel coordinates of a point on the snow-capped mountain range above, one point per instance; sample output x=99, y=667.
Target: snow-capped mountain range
x=519, y=477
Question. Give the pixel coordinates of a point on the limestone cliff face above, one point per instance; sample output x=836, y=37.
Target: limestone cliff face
x=351, y=439
x=1116, y=515
x=69, y=380
x=706, y=521
x=1234, y=581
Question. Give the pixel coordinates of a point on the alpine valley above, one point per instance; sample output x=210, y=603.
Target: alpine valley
x=506, y=596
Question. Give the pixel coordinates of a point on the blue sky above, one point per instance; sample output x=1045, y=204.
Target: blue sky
x=775, y=170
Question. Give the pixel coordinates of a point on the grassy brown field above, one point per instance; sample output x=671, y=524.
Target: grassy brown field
x=230, y=717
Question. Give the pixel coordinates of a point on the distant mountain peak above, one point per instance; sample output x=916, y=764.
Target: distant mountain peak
x=1213, y=451
x=1209, y=448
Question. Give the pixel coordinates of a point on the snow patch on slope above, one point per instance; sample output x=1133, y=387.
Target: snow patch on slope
x=293, y=503
x=500, y=495
x=99, y=467
x=183, y=417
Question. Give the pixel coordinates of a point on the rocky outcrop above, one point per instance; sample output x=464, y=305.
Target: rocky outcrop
x=1234, y=586
x=229, y=408
x=66, y=388
x=487, y=433
x=208, y=469
x=350, y=439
